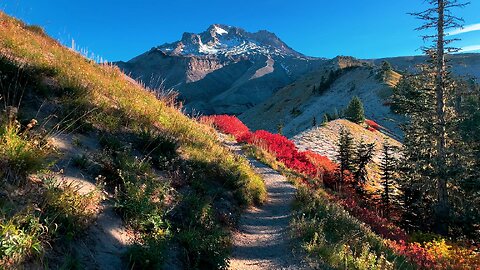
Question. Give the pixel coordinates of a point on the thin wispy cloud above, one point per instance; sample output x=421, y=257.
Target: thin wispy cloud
x=471, y=48
x=465, y=29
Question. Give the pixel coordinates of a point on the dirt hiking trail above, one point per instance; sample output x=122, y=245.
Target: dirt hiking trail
x=107, y=239
x=262, y=240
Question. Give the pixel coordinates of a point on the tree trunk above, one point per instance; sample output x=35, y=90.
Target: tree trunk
x=442, y=208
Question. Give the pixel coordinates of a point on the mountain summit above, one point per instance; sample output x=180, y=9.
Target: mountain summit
x=228, y=41
x=224, y=69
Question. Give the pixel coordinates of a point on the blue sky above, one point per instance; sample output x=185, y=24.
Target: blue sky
x=120, y=30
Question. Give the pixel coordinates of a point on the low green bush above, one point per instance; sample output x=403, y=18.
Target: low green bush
x=20, y=238
x=213, y=250
x=19, y=153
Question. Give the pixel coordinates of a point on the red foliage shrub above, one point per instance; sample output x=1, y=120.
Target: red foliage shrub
x=326, y=169
x=245, y=137
x=230, y=125
x=308, y=163
x=284, y=150
x=414, y=252
x=372, y=125
x=378, y=224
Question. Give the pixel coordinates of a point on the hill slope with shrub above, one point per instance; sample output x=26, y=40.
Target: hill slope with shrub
x=174, y=186
x=302, y=104
x=324, y=141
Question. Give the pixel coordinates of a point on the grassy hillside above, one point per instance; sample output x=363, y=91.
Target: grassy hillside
x=166, y=175
x=297, y=105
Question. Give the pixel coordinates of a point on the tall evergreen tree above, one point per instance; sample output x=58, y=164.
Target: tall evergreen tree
x=335, y=114
x=439, y=18
x=345, y=155
x=388, y=167
x=386, y=66
x=469, y=213
x=355, y=111
x=414, y=97
x=324, y=119
x=280, y=128
x=385, y=71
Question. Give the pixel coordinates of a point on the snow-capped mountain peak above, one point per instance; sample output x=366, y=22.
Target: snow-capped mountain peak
x=228, y=41
x=219, y=30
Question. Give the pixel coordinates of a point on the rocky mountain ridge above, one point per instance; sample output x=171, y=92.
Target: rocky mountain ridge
x=226, y=69
x=229, y=42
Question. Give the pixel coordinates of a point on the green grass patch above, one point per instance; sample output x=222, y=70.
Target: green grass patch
x=21, y=238
x=47, y=213
x=337, y=240
x=19, y=153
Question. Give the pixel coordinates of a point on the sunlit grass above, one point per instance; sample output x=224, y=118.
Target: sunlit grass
x=47, y=212
x=19, y=155
x=332, y=237
x=120, y=101
x=100, y=97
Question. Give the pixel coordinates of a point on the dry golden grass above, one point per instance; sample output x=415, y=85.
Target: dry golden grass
x=101, y=98
x=116, y=98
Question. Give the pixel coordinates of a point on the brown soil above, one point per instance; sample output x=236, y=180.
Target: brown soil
x=262, y=240
x=107, y=239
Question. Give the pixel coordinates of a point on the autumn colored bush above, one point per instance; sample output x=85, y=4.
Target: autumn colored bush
x=414, y=252
x=307, y=163
x=451, y=256
x=372, y=125
x=437, y=254
x=230, y=125
x=326, y=169
x=378, y=224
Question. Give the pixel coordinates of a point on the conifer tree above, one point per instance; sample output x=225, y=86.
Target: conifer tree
x=388, y=167
x=363, y=156
x=436, y=76
x=386, y=69
x=345, y=155
x=280, y=128
x=413, y=98
x=386, y=66
x=355, y=111
x=335, y=114
x=469, y=218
